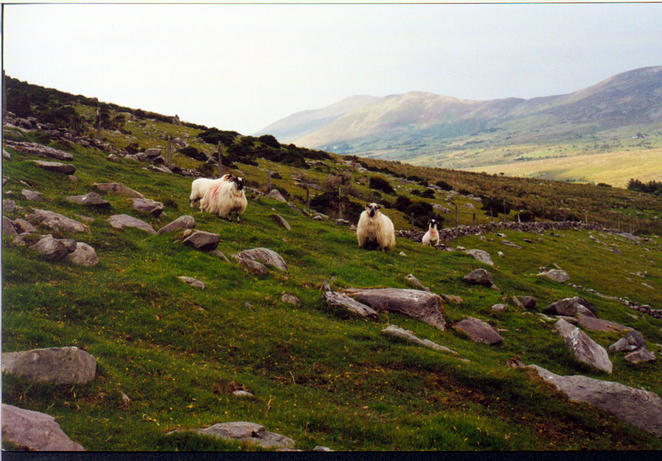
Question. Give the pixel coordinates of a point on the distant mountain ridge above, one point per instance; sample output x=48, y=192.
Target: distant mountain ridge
x=417, y=122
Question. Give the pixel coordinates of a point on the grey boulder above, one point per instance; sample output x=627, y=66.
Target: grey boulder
x=145, y=205
x=479, y=277
x=32, y=195
x=481, y=255
x=583, y=348
x=117, y=189
x=57, y=365
x=91, y=199
x=641, y=355
x=193, y=282
x=339, y=300
x=54, y=249
x=57, y=167
x=183, y=222
x=122, y=221
x=401, y=333
x=276, y=195
x=571, y=307
x=281, y=221
x=56, y=221
x=251, y=433
x=83, y=255
x=34, y=431
x=201, y=240
x=478, y=331
x=628, y=343
x=555, y=275
x=265, y=256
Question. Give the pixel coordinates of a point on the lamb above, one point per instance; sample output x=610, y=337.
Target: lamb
x=431, y=237
x=198, y=189
x=225, y=196
x=375, y=230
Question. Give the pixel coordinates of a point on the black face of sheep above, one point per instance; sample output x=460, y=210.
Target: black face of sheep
x=372, y=209
x=433, y=223
x=239, y=181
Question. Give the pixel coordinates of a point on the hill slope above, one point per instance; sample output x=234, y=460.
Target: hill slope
x=318, y=374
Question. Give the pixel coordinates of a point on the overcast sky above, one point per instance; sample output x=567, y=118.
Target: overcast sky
x=241, y=67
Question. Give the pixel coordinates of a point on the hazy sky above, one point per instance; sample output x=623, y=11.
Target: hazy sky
x=242, y=67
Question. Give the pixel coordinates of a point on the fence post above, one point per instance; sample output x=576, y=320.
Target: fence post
x=98, y=122
x=170, y=152
x=456, y=219
x=220, y=160
x=339, y=202
x=474, y=218
x=307, y=195
x=268, y=181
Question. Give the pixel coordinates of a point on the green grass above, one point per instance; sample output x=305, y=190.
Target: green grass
x=320, y=376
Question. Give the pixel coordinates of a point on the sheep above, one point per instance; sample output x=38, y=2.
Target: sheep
x=198, y=189
x=375, y=230
x=225, y=196
x=431, y=237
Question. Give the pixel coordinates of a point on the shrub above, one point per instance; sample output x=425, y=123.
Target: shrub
x=269, y=140
x=379, y=183
x=327, y=203
x=444, y=185
x=194, y=153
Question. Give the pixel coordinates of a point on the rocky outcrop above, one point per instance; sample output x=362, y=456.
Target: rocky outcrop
x=583, y=348
x=595, y=324
x=276, y=195
x=183, y=222
x=117, y=189
x=56, y=167
x=39, y=150
x=417, y=304
x=527, y=302
x=571, y=307
x=641, y=355
x=481, y=255
x=145, y=205
x=54, y=249
x=628, y=343
x=34, y=431
x=253, y=267
x=338, y=300
x=32, y=195
x=478, y=331
x=413, y=281
x=201, y=240
x=193, y=282
x=401, y=333
x=83, y=255
x=122, y=221
x=480, y=277
x=91, y=199
x=246, y=432
x=555, y=275
x=56, y=365
x=281, y=221
x=289, y=298
x=638, y=407
x=265, y=256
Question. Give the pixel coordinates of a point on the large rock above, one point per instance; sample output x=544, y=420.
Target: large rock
x=145, y=205
x=8, y=206
x=479, y=277
x=401, y=333
x=571, y=307
x=41, y=150
x=265, y=256
x=281, y=221
x=195, y=283
x=481, y=255
x=122, y=221
x=276, y=195
x=8, y=228
x=117, y=188
x=22, y=226
x=417, y=304
x=57, y=167
x=32, y=195
x=583, y=348
x=201, y=240
x=638, y=407
x=641, y=355
x=527, y=302
x=183, y=222
x=91, y=199
x=56, y=365
x=413, y=281
x=556, y=275
x=56, y=221
x=478, y=331
x=83, y=255
x=34, y=431
x=628, y=343
x=54, y=249
x=335, y=299
x=253, y=267
x=251, y=433
x=595, y=324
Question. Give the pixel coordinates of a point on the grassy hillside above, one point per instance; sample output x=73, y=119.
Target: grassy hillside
x=319, y=376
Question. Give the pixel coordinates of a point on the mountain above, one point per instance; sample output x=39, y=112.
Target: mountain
x=431, y=129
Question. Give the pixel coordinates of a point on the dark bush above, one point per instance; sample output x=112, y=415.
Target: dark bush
x=269, y=140
x=214, y=135
x=427, y=193
x=18, y=102
x=379, y=183
x=133, y=148
x=494, y=206
x=652, y=187
x=444, y=185
x=526, y=216
x=403, y=203
x=194, y=153
x=327, y=203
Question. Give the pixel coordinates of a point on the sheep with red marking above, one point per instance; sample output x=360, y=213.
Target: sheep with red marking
x=431, y=237
x=224, y=197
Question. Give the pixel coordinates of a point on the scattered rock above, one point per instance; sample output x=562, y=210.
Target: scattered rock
x=34, y=431
x=289, y=298
x=252, y=266
x=54, y=249
x=335, y=299
x=500, y=254
x=201, y=240
x=91, y=199
x=515, y=362
x=342, y=222
x=22, y=226
x=57, y=167
x=629, y=236
x=8, y=227
x=480, y=277
x=595, y=324
x=117, y=188
x=219, y=254
x=481, y=255
x=638, y=407
x=413, y=281
x=83, y=255
x=417, y=304
x=57, y=365
x=56, y=221
x=195, y=283
x=281, y=221
x=571, y=307
x=8, y=206
x=32, y=195
x=263, y=255
x=628, y=343
x=247, y=432
x=641, y=355
x=40, y=150
x=556, y=275
x=183, y=222
x=242, y=393
x=583, y=348
x=397, y=332
x=145, y=205
x=321, y=448
x=121, y=221
x=453, y=299
x=527, y=302
x=276, y=195
x=511, y=244
x=499, y=308
x=402, y=253
x=478, y=331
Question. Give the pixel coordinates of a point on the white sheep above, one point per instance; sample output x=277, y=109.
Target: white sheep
x=198, y=188
x=375, y=229
x=431, y=237
x=225, y=196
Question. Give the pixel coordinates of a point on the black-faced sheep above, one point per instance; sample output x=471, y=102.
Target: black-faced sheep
x=225, y=196
x=198, y=189
x=431, y=237
x=375, y=230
